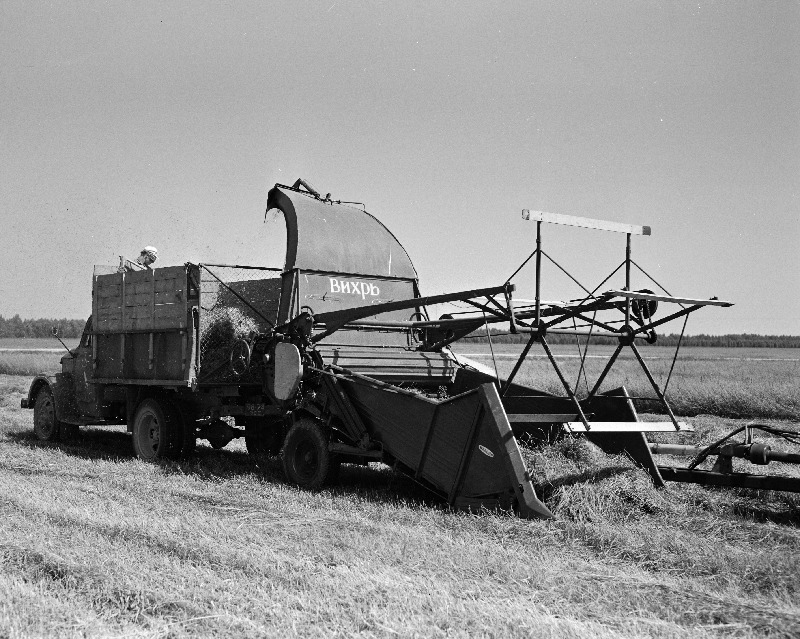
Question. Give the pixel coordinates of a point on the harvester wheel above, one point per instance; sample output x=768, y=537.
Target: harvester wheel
x=306, y=458
x=45, y=425
x=157, y=430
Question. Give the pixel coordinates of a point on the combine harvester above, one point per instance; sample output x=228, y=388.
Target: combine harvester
x=336, y=360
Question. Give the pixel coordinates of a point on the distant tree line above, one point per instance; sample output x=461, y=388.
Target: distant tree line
x=738, y=340
x=17, y=327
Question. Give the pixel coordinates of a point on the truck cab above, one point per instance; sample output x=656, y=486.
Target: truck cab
x=76, y=366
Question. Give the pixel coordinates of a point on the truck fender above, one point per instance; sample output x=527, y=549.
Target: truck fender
x=63, y=393
x=133, y=396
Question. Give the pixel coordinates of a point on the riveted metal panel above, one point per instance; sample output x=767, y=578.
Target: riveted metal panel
x=325, y=236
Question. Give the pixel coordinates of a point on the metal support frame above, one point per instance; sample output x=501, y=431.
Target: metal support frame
x=334, y=320
x=627, y=333
x=518, y=364
x=634, y=325
x=602, y=377
x=539, y=329
x=538, y=273
x=564, y=382
x=653, y=383
x=628, y=279
x=740, y=480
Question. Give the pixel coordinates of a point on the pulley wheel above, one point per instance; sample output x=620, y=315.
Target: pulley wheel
x=240, y=357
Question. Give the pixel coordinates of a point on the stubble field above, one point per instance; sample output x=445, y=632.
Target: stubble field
x=96, y=543
x=727, y=382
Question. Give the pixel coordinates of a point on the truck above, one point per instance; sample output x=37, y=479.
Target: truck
x=336, y=359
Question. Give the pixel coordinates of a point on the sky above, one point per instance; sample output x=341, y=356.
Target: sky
x=166, y=123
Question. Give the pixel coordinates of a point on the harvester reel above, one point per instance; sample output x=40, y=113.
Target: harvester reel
x=240, y=357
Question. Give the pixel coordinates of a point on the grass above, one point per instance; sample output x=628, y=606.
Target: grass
x=36, y=342
x=727, y=382
x=29, y=363
x=94, y=543
x=756, y=383
x=23, y=356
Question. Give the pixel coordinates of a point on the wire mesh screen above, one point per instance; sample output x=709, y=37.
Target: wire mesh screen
x=235, y=303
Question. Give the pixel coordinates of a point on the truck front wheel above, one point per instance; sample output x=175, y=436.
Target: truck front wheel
x=157, y=430
x=45, y=425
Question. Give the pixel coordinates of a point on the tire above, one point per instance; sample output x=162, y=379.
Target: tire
x=157, y=430
x=306, y=458
x=45, y=425
x=263, y=439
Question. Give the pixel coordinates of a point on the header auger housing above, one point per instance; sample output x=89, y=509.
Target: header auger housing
x=335, y=359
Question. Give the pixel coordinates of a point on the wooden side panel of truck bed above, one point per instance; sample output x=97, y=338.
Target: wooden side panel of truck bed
x=143, y=327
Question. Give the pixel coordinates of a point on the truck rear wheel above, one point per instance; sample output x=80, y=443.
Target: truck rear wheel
x=306, y=458
x=45, y=425
x=157, y=430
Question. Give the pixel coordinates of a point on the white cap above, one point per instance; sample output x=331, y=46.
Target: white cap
x=148, y=255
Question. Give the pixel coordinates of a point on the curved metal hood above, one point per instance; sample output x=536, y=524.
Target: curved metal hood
x=335, y=238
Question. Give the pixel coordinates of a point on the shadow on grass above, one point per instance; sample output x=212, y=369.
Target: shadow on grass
x=88, y=444
x=779, y=508
x=376, y=482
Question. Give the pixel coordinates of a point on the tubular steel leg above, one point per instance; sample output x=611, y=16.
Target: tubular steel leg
x=518, y=365
x=582, y=370
x=675, y=357
x=605, y=371
x=538, y=273
x=565, y=384
x=628, y=279
x=491, y=348
x=510, y=308
x=655, y=386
